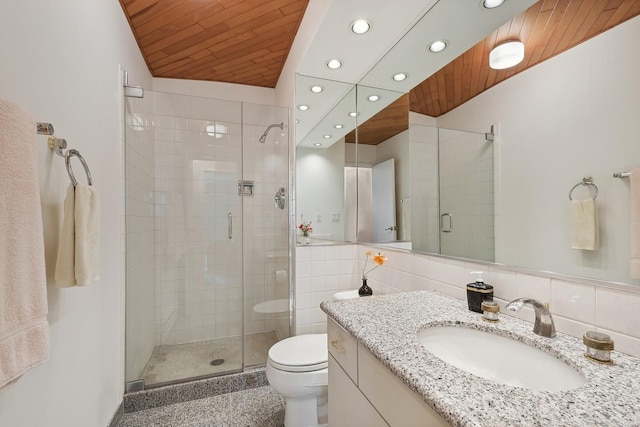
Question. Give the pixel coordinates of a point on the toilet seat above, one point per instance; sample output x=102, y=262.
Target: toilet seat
x=302, y=353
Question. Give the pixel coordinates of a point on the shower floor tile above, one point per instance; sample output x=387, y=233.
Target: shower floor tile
x=170, y=363
x=257, y=407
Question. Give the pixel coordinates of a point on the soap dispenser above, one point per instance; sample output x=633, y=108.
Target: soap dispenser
x=477, y=292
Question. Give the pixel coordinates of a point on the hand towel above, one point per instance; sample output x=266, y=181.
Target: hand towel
x=24, y=331
x=65, y=264
x=635, y=223
x=584, y=225
x=87, y=234
x=79, y=242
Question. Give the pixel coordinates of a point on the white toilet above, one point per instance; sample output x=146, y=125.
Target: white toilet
x=297, y=369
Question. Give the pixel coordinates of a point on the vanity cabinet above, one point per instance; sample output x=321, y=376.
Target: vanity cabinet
x=363, y=392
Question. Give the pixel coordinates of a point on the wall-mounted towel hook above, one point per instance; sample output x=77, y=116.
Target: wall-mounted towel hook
x=57, y=145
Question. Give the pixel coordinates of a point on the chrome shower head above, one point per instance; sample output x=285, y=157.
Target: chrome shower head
x=263, y=138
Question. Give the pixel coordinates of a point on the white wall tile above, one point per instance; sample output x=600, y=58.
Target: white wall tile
x=576, y=301
x=618, y=311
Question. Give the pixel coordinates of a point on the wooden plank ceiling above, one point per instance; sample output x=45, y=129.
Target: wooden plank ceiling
x=232, y=41
x=547, y=28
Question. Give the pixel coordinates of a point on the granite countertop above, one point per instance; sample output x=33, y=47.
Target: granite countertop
x=387, y=325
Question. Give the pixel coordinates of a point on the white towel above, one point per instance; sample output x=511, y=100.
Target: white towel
x=635, y=223
x=79, y=243
x=24, y=331
x=584, y=225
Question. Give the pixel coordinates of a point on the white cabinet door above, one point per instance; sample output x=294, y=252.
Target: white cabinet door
x=347, y=406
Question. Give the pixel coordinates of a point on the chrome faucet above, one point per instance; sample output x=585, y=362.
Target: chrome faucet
x=544, y=325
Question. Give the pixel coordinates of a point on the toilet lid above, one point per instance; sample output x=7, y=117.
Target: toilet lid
x=301, y=353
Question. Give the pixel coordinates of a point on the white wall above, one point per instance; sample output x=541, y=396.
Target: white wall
x=572, y=116
x=60, y=61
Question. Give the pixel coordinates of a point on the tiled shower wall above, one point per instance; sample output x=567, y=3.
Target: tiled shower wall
x=198, y=268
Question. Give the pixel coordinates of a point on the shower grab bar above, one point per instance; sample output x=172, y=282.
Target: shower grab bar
x=230, y=225
x=586, y=181
x=622, y=174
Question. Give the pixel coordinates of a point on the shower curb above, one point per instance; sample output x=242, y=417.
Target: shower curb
x=193, y=390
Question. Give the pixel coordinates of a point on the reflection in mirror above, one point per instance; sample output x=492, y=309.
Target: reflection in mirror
x=382, y=151
x=320, y=157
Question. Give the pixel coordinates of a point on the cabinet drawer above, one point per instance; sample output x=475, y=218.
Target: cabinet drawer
x=344, y=349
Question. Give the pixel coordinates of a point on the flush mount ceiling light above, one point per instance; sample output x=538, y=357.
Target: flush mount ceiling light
x=490, y=4
x=399, y=77
x=338, y=126
x=360, y=26
x=506, y=55
x=303, y=107
x=373, y=98
x=334, y=64
x=438, y=46
x=316, y=89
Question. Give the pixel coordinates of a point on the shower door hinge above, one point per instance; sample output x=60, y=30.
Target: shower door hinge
x=245, y=188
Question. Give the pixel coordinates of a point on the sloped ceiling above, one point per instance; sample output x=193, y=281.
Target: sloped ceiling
x=231, y=41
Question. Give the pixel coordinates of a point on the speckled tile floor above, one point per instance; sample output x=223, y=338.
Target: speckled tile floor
x=256, y=407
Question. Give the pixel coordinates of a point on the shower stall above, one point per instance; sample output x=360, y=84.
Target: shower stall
x=207, y=247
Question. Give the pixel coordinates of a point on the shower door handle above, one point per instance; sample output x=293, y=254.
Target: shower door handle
x=446, y=230
x=230, y=225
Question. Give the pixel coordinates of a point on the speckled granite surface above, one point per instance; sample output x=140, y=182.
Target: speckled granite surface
x=387, y=325
x=256, y=407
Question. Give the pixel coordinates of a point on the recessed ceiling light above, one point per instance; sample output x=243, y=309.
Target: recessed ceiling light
x=399, y=77
x=438, y=46
x=317, y=144
x=360, y=26
x=316, y=89
x=334, y=64
x=326, y=136
x=353, y=114
x=506, y=55
x=303, y=107
x=373, y=98
x=338, y=126
x=490, y=4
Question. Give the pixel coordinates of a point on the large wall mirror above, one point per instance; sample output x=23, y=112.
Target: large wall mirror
x=571, y=116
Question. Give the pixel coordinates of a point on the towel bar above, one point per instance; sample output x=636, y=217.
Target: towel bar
x=622, y=174
x=587, y=180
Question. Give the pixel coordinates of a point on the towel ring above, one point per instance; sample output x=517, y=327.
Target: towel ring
x=67, y=158
x=586, y=181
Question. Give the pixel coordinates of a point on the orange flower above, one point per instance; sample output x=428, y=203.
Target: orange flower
x=379, y=259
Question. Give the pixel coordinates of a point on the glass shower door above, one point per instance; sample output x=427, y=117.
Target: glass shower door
x=184, y=238
x=466, y=195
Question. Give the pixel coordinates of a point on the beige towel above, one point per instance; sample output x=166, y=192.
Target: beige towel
x=635, y=223
x=79, y=243
x=24, y=331
x=584, y=225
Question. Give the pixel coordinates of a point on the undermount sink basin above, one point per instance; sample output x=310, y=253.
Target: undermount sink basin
x=500, y=359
